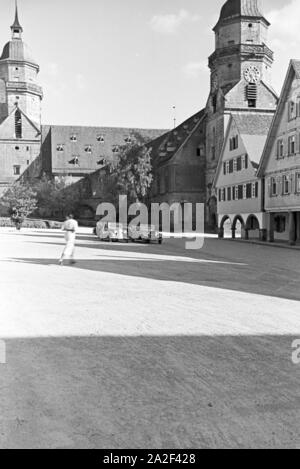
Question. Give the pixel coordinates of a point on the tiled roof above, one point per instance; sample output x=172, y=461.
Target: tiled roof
x=296, y=65
x=93, y=146
x=254, y=130
x=165, y=147
x=253, y=124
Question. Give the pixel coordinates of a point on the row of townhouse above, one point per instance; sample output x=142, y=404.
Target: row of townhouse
x=257, y=182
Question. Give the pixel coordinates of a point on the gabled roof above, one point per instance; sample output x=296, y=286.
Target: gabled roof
x=168, y=145
x=253, y=130
x=294, y=69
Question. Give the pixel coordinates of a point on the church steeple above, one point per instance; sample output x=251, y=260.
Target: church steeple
x=16, y=28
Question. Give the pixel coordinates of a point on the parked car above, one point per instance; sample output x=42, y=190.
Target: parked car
x=145, y=233
x=107, y=231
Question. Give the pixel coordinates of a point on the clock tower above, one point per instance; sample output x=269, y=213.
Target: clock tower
x=240, y=76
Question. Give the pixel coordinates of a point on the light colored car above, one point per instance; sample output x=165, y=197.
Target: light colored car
x=107, y=231
x=146, y=233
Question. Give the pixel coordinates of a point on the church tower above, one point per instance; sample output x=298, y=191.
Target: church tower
x=18, y=78
x=240, y=75
x=20, y=109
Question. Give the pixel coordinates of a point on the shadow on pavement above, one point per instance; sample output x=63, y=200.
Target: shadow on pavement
x=229, y=276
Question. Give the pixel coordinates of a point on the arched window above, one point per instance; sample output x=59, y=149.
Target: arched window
x=18, y=124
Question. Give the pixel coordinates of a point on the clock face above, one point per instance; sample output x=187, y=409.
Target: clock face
x=252, y=74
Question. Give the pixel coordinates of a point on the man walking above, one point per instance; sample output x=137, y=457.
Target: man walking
x=70, y=228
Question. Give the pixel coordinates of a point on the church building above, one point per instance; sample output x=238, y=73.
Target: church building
x=240, y=85
x=29, y=149
x=20, y=110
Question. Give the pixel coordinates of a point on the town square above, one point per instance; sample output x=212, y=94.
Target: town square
x=149, y=226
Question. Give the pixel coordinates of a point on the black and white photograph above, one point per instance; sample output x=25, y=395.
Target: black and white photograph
x=149, y=227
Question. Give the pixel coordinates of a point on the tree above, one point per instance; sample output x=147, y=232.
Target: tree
x=58, y=196
x=21, y=202
x=131, y=173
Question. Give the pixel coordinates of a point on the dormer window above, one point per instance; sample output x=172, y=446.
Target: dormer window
x=88, y=149
x=102, y=161
x=73, y=138
x=128, y=140
x=60, y=148
x=116, y=149
x=76, y=161
x=100, y=139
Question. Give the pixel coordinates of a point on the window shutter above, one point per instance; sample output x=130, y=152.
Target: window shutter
x=291, y=184
x=239, y=163
x=240, y=192
x=246, y=161
x=233, y=192
x=231, y=166
x=219, y=195
x=224, y=168
x=256, y=189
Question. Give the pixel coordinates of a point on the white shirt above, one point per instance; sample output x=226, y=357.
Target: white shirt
x=70, y=227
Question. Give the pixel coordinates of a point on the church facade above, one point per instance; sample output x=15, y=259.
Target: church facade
x=20, y=110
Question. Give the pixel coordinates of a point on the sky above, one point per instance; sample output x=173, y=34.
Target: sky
x=127, y=63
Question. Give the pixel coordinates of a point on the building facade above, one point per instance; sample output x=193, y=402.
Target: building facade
x=239, y=190
x=280, y=165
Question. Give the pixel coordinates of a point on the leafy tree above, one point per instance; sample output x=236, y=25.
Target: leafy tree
x=58, y=196
x=131, y=173
x=21, y=202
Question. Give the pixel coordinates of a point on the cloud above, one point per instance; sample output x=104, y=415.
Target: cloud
x=169, y=23
x=194, y=69
x=285, y=25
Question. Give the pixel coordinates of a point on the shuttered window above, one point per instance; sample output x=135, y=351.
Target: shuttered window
x=18, y=124
x=229, y=194
x=251, y=94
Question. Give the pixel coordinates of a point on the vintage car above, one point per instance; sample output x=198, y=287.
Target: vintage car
x=145, y=233
x=107, y=231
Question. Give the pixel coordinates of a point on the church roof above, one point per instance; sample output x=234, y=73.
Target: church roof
x=240, y=8
x=166, y=146
x=94, y=146
x=18, y=51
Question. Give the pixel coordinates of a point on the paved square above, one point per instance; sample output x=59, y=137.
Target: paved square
x=146, y=346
